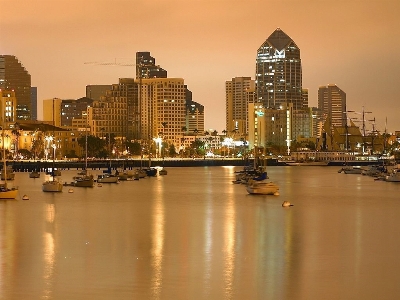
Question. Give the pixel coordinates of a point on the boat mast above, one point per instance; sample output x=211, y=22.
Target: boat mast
x=53, y=146
x=4, y=153
x=86, y=144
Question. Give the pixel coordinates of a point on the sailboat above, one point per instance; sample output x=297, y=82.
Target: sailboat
x=261, y=184
x=52, y=184
x=84, y=179
x=5, y=192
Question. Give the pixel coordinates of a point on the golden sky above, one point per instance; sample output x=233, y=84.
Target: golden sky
x=352, y=43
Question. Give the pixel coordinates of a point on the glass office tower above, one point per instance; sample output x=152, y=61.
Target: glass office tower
x=278, y=72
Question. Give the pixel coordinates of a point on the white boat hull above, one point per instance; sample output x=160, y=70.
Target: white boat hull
x=262, y=188
x=52, y=186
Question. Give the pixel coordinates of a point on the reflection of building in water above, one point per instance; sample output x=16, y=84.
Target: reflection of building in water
x=158, y=243
x=48, y=251
x=229, y=247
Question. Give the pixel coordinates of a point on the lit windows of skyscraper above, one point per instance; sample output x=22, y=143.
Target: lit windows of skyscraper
x=14, y=77
x=146, y=66
x=239, y=92
x=332, y=104
x=278, y=72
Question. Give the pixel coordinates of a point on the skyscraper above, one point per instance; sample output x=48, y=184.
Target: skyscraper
x=34, y=103
x=278, y=72
x=14, y=77
x=146, y=66
x=194, y=113
x=74, y=109
x=332, y=104
x=239, y=92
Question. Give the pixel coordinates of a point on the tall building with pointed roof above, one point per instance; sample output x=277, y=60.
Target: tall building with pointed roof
x=278, y=72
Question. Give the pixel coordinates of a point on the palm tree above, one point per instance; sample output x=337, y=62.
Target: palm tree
x=15, y=132
x=214, y=134
x=210, y=139
x=184, y=129
x=195, y=131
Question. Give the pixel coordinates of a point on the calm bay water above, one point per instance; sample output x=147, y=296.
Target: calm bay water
x=194, y=235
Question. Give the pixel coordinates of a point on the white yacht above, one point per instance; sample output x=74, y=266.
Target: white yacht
x=52, y=185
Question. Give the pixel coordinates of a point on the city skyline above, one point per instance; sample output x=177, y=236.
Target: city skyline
x=349, y=43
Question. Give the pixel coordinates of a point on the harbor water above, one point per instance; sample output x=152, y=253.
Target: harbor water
x=193, y=234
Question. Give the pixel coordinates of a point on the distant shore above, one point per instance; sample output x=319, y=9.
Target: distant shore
x=43, y=165
x=28, y=166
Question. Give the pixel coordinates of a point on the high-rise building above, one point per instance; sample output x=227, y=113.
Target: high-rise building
x=34, y=103
x=146, y=66
x=194, y=114
x=8, y=109
x=163, y=109
x=239, y=92
x=332, y=104
x=14, y=77
x=74, y=109
x=52, y=111
x=96, y=91
x=278, y=72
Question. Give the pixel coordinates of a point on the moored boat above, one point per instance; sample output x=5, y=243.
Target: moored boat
x=263, y=187
x=394, y=176
x=7, y=173
x=163, y=172
x=351, y=170
x=52, y=185
x=34, y=174
x=83, y=181
x=107, y=178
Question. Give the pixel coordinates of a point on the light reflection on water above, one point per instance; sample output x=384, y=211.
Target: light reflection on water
x=194, y=235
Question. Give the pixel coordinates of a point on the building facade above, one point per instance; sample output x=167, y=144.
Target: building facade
x=194, y=116
x=146, y=67
x=34, y=103
x=52, y=111
x=332, y=104
x=74, y=109
x=163, y=109
x=95, y=92
x=239, y=92
x=14, y=77
x=8, y=108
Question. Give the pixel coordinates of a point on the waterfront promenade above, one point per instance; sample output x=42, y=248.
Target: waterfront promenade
x=28, y=166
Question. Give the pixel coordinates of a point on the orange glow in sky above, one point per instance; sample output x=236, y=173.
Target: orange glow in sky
x=351, y=43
